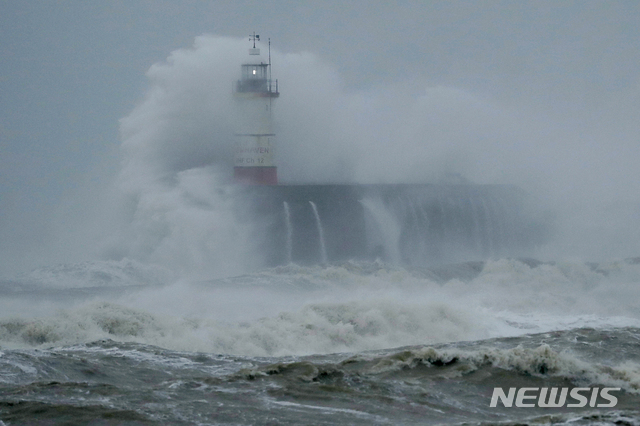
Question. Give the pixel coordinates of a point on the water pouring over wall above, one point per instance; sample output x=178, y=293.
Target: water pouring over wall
x=401, y=224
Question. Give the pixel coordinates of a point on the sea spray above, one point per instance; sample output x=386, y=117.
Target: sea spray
x=387, y=227
x=321, y=309
x=323, y=248
x=287, y=221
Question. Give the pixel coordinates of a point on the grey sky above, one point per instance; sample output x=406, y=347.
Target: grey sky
x=71, y=69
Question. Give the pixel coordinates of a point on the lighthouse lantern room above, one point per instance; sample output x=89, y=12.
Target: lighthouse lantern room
x=254, y=143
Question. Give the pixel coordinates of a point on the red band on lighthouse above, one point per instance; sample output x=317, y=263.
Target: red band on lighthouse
x=256, y=175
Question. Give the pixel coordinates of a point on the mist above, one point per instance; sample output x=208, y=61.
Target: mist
x=543, y=97
x=177, y=158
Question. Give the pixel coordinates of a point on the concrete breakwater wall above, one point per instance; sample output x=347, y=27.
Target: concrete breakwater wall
x=404, y=223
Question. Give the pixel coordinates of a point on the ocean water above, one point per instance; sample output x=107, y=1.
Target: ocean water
x=342, y=343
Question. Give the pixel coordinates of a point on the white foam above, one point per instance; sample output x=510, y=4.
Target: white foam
x=125, y=272
x=351, y=307
x=538, y=361
x=356, y=413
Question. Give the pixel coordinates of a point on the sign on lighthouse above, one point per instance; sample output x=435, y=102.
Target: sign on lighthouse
x=254, y=145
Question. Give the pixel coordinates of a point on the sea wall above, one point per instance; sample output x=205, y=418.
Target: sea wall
x=408, y=224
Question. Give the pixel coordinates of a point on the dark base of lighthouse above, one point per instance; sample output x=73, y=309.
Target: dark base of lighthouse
x=256, y=175
x=408, y=224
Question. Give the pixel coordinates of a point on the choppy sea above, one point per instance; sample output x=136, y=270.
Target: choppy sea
x=121, y=343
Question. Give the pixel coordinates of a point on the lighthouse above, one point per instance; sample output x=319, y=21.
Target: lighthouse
x=254, y=145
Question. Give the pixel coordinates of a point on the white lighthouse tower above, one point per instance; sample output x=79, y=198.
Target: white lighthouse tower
x=254, y=143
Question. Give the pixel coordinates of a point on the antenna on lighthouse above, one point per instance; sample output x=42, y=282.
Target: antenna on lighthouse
x=253, y=37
